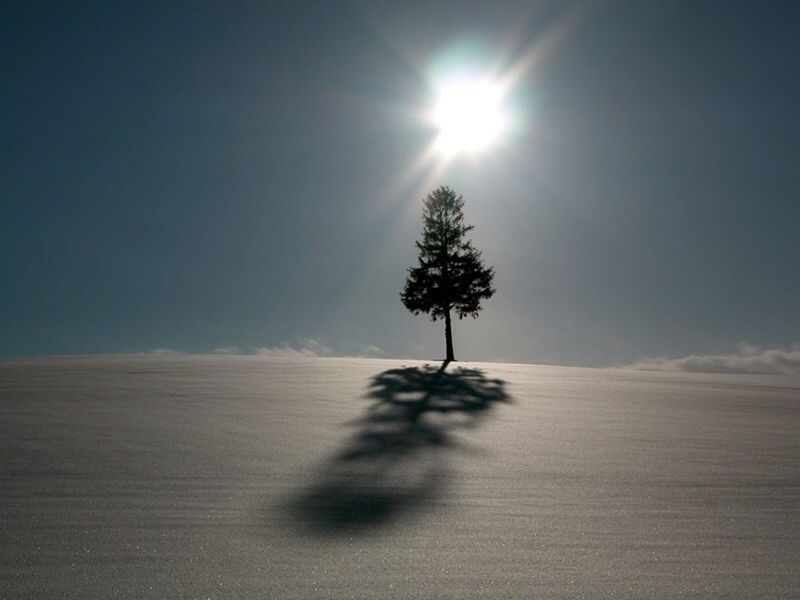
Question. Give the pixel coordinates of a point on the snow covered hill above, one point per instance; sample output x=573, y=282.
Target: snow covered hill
x=244, y=476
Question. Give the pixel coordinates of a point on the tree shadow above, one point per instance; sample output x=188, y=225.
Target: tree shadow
x=394, y=462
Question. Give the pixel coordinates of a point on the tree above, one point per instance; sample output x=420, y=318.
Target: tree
x=450, y=274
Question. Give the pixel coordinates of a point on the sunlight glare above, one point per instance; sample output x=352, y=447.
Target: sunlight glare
x=468, y=115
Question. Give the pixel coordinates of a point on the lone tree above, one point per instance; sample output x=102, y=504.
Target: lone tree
x=450, y=274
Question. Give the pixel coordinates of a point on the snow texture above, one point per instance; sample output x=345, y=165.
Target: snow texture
x=168, y=475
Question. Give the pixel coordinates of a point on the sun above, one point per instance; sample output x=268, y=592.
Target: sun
x=468, y=115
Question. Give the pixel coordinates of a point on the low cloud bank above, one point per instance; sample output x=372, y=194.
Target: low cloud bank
x=306, y=347
x=367, y=350
x=226, y=350
x=748, y=359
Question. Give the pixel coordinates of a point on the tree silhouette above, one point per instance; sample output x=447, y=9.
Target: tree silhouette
x=450, y=274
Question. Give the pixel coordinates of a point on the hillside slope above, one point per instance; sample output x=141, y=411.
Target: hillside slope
x=219, y=476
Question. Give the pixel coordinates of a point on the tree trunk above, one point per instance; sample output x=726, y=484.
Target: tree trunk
x=448, y=337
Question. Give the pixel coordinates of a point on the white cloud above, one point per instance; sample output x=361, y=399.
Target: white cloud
x=360, y=350
x=226, y=350
x=371, y=350
x=312, y=347
x=748, y=359
x=303, y=347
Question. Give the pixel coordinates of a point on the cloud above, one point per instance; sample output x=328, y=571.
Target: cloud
x=371, y=350
x=226, y=350
x=303, y=347
x=312, y=347
x=361, y=351
x=748, y=359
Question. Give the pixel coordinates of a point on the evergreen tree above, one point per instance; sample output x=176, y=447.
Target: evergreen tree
x=450, y=274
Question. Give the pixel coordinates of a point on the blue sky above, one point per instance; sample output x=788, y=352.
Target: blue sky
x=234, y=175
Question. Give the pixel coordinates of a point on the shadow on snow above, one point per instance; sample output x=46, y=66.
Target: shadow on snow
x=394, y=461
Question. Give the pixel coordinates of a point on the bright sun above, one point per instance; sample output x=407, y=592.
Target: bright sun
x=468, y=115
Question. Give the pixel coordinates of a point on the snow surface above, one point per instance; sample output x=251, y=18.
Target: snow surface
x=235, y=476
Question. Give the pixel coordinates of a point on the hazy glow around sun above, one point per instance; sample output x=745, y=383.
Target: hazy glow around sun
x=468, y=114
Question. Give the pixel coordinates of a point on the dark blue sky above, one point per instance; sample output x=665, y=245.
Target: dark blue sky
x=201, y=175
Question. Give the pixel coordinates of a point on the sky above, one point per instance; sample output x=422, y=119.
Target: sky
x=248, y=177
